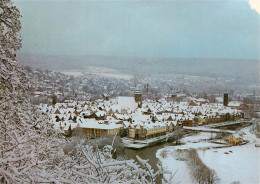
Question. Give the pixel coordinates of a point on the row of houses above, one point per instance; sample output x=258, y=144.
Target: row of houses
x=97, y=128
x=125, y=117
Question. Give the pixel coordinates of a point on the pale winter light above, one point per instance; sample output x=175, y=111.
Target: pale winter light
x=255, y=4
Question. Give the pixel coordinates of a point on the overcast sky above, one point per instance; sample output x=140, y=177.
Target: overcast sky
x=179, y=28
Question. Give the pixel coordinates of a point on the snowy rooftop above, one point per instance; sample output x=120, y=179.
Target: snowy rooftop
x=92, y=123
x=127, y=102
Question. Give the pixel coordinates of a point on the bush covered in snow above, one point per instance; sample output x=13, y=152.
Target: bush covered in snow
x=199, y=171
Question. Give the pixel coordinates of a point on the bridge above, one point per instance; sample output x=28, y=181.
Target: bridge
x=207, y=129
x=228, y=123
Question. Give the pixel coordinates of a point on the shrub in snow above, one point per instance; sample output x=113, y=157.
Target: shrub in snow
x=199, y=171
x=177, y=134
x=164, y=153
x=90, y=164
x=107, y=139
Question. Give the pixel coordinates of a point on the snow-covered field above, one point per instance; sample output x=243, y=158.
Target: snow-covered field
x=236, y=163
x=99, y=71
x=107, y=72
x=171, y=161
x=75, y=73
x=198, y=145
x=198, y=137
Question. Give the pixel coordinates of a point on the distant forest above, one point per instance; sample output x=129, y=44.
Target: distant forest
x=241, y=69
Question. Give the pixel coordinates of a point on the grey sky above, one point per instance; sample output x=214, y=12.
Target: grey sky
x=180, y=28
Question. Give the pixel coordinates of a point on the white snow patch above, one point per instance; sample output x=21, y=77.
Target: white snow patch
x=172, y=162
x=74, y=73
x=240, y=164
x=107, y=72
x=198, y=137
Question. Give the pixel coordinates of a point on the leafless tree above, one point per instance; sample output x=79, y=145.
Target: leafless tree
x=113, y=140
x=177, y=134
x=10, y=25
x=200, y=172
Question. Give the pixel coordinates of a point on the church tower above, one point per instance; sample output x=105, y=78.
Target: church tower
x=225, y=99
x=138, y=96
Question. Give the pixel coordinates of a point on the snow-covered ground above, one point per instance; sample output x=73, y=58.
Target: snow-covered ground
x=172, y=161
x=74, y=73
x=239, y=163
x=198, y=145
x=99, y=71
x=107, y=72
x=198, y=137
x=236, y=163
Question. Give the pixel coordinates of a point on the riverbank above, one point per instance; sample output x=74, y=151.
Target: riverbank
x=231, y=163
x=150, y=154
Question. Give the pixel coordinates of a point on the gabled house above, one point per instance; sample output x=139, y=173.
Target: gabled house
x=235, y=139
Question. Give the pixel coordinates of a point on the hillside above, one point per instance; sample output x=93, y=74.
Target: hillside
x=231, y=68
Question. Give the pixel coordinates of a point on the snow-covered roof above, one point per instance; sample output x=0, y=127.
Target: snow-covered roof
x=127, y=102
x=93, y=123
x=234, y=104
